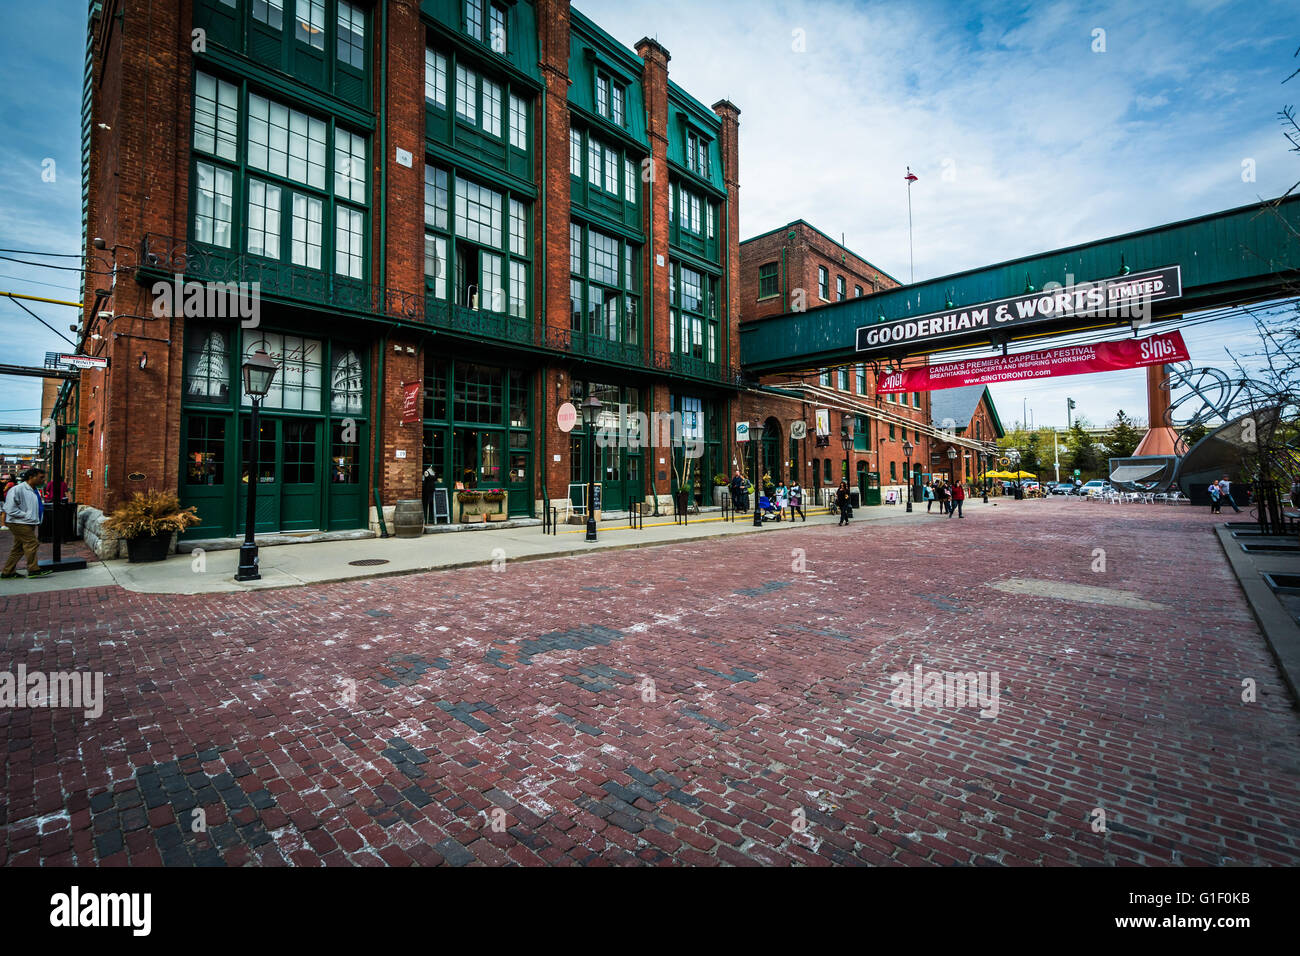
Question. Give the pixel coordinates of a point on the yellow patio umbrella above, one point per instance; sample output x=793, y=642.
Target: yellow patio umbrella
x=1024, y=474
x=999, y=474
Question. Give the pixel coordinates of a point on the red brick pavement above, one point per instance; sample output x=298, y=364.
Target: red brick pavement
x=395, y=721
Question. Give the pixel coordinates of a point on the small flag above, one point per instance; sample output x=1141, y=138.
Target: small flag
x=911, y=177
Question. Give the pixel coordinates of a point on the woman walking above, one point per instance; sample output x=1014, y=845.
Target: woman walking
x=844, y=502
x=1216, y=502
x=796, y=500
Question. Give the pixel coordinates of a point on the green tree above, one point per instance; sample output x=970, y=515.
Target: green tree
x=1123, y=437
x=1083, y=451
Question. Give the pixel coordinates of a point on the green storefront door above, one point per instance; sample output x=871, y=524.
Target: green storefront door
x=267, y=516
x=299, y=469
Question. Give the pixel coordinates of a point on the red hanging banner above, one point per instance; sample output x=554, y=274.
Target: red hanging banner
x=411, y=395
x=1067, y=360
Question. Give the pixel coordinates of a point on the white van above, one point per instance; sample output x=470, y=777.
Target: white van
x=1095, y=487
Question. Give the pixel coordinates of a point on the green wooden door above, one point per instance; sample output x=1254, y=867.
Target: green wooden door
x=267, y=515
x=301, y=467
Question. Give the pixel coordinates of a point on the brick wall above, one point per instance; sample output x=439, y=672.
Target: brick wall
x=138, y=179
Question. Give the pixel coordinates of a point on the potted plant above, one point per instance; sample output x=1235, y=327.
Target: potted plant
x=147, y=522
x=469, y=506
x=495, y=496
x=720, y=490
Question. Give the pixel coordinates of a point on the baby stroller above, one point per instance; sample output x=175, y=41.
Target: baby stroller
x=767, y=508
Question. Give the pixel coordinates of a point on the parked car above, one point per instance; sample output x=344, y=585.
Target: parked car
x=1061, y=488
x=1098, y=486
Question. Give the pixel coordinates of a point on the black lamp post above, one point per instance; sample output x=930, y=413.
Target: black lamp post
x=908, y=448
x=590, y=412
x=1013, y=456
x=259, y=370
x=984, y=477
x=846, y=439
x=756, y=428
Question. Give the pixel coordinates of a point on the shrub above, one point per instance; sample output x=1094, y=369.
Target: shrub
x=150, y=513
x=468, y=497
x=495, y=495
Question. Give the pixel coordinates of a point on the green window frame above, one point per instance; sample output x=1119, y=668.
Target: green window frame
x=693, y=312
x=768, y=280
x=860, y=373
x=823, y=284
x=843, y=379
x=603, y=277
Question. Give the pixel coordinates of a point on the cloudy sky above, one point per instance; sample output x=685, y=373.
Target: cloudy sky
x=1025, y=134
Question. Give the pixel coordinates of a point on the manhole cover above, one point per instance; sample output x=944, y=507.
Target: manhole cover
x=368, y=562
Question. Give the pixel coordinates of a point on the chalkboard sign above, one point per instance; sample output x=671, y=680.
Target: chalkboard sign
x=578, y=497
x=441, y=505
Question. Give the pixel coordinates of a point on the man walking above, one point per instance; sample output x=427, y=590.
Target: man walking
x=1225, y=493
x=23, y=510
x=958, y=496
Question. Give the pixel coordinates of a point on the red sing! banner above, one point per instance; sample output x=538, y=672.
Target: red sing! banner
x=1068, y=360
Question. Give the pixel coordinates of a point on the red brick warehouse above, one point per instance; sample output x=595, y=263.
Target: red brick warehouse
x=797, y=268
x=496, y=202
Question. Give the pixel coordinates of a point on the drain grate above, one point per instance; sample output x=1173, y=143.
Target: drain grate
x=368, y=562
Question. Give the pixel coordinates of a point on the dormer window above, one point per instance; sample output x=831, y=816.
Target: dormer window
x=697, y=154
x=486, y=22
x=610, y=97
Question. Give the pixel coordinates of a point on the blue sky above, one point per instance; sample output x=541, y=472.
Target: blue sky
x=1025, y=138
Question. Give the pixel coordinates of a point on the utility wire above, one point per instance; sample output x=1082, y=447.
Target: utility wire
x=46, y=265
x=43, y=322
x=46, y=255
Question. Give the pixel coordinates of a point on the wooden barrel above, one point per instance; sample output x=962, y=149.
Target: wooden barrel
x=408, y=518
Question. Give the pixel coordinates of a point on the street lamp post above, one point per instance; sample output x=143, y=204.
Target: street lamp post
x=846, y=439
x=756, y=428
x=590, y=412
x=908, y=448
x=1013, y=456
x=258, y=371
x=984, y=477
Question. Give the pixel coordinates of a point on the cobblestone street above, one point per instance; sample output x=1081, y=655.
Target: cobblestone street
x=716, y=702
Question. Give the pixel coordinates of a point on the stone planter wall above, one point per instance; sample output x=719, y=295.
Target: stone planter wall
x=103, y=543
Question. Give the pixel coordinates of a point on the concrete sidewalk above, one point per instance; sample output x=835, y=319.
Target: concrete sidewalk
x=317, y=562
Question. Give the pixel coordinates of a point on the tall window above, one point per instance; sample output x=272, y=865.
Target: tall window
x=216, y=116
x=349, y=166
x=275, y=219
x=466, y=94
x=604, y=280
x=311, y=23
x=823, y=284
x=839, y=289
x=861, y=375
x=518, y=122
x=474, y=18
x=497, y=28
x=767, y=280
x=844, y=379
x=857, y=291
x=435, y=78
x=352, y=35
x=263, y=219
x=270, y=12
x=575, y=153
x=213, y=213
x=697, y=153
x=693, y=317
x=349, y=239
x=286, y=142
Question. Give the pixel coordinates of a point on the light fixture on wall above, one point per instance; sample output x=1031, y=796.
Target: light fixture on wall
x=144, y=359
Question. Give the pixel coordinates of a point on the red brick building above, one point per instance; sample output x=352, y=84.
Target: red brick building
x=799, y=268
x=966, y=412
x=493, y=203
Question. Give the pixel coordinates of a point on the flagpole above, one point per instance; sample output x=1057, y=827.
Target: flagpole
x=910, y=255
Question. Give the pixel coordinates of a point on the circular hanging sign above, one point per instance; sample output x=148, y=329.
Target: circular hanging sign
x=798, y=429
x=566, y=417
x=135, y=476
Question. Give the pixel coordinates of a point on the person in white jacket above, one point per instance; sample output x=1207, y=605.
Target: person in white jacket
x=23, y=510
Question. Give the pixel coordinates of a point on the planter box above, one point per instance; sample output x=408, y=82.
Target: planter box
x=476, y=517
x=500, y=516
x=721, y=493
x=149, y=548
